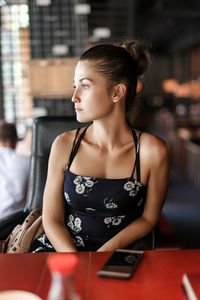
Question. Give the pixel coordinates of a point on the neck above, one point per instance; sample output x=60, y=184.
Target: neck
x=112, y=135
x=111, y=131
x=7, y=144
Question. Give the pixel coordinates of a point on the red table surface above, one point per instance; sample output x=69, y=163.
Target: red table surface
x=158, y=276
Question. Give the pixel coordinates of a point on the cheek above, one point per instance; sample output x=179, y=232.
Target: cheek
x=100, y=102
x=101, y=97
x=100, y=109
x=96, y=103
x=94, y=110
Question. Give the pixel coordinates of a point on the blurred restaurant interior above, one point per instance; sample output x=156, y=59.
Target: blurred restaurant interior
x=40, y=41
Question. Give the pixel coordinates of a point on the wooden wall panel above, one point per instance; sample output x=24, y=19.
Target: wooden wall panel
x=52, y=78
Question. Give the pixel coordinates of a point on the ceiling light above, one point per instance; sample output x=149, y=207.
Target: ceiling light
x=102, y=32
x=60, y=49
x=82, y=9
x=43, y=2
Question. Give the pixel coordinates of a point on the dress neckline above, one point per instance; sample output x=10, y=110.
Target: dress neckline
x=107, y=179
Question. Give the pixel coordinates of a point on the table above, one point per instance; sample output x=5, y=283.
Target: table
x=158, y=276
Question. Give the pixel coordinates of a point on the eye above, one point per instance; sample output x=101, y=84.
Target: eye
x=85, y=85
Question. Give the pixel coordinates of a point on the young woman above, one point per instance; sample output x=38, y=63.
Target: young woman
x=107, y=182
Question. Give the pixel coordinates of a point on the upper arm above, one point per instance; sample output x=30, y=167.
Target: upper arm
x=53, y=204
x=158, y=164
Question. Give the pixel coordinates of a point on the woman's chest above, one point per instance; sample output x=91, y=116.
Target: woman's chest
x=104, y=164
x=90, y=193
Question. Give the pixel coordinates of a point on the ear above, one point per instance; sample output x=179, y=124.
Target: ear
x=119, y=92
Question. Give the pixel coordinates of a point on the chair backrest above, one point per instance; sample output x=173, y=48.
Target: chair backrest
x=45, y=130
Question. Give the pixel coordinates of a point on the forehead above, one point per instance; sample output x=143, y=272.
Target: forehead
x=85, y=69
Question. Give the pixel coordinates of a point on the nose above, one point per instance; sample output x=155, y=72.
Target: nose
x=75, y=96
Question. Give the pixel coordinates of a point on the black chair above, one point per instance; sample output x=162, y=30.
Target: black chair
x=44, y=131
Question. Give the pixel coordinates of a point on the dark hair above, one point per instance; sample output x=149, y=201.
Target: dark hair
x=8, y=132
x=123, y=62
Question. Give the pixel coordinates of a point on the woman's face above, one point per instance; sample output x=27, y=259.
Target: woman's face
x=92, y=99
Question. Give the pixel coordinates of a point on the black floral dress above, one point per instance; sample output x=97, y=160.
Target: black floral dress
x=98, y=208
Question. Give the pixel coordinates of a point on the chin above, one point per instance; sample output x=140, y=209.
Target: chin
x=82, y=119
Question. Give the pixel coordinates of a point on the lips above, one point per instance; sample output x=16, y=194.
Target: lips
x=78, y=109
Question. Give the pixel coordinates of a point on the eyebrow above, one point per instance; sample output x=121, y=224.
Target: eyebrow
x=80, y=80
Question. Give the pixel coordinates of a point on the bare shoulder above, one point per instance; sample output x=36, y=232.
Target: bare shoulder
x=64, y=139
x=61, y=147
x=154, y=148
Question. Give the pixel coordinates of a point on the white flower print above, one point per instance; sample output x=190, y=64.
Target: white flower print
x=44, y=241
x=77, y=222
x=80, y=188
x=108, y=220
x=66, y=197
x=39, y=249
x=117, y=221
x=84, y=184
x=114, y=221
x=109, y=203
x=128, y=186
x=74, y=223
x=138, y=186
x=78, y=180
x=132, y=193
x=86, y=177
x=132, y=188
x=79, y=241
x=89, y=183
x=71, y=218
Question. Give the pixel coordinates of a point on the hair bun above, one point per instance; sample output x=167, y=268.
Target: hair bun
x=139, y=51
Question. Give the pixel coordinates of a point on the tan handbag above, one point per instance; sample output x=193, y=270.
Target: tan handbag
x=22, y=236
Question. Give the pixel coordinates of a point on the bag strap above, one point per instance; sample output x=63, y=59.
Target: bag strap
x=21, y=237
